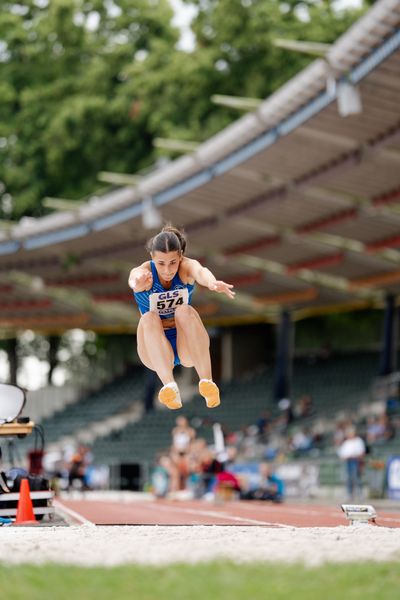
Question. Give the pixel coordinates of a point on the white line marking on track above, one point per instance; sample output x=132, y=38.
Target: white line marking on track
x=73, y=514
x=330, y=512
x=394, y=519
x=220, y=515
x=289, y=510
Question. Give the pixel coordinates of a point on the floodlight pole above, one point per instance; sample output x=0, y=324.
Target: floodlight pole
x=11, y=349
x=388, y=362
x=284, y=357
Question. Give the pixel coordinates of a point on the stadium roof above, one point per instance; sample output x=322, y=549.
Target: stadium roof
x=295, y=204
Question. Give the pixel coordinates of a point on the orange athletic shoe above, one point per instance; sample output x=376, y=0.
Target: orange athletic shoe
x=209, y=390
x=170, y=396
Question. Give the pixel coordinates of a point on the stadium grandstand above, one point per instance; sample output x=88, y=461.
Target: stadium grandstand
x=297, y=205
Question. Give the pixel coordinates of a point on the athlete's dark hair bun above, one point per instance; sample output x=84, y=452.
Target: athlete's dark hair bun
x=168, y=240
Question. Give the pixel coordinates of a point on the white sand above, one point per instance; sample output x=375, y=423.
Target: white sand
x=156, y=545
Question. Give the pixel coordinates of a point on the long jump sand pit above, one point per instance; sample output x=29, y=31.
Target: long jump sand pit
x=110, y=529
x=88, y=545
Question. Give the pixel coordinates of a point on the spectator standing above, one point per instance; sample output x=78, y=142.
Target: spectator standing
x=80, y=461
x=182, y=435
x=352, y=452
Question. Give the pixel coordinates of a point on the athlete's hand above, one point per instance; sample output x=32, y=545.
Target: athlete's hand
x=222, y=288
x=141, y=281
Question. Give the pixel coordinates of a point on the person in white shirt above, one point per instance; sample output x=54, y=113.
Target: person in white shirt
x=182, y=435
x=352, y=452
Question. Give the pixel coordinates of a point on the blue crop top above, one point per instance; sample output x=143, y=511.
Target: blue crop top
x=161, y=300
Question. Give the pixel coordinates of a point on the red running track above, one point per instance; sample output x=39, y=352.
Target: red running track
x=169, y=512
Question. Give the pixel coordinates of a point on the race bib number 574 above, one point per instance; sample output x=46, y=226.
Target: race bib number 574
x=165, y=303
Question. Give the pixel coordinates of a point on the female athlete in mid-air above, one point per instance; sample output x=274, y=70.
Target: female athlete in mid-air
x=170, y=331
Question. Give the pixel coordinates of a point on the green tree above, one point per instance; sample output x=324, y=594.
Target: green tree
x=86, y=85
x=61, y=116
x=234, y=54
x=241, y=34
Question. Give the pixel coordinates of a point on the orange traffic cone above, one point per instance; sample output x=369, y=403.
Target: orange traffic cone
x=25, y=514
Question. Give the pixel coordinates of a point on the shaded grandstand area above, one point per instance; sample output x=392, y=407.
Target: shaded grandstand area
x=336, y=385
x=339, y=386
x=107, y=408
x=115, y=398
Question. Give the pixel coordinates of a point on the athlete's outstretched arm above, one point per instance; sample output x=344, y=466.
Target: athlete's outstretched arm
x=203, y=276
x=140, y=278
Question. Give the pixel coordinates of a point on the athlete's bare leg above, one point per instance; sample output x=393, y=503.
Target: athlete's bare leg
x=156, y=353
x=192, y=341
x=193, y=346
x=154, y=350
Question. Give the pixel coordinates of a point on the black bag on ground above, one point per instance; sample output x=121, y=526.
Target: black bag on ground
x=36, y=484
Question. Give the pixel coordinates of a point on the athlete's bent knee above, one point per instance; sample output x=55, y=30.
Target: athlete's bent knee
x=184, y=313
x=150, y=318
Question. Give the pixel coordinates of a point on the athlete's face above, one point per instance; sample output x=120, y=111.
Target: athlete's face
x=167, y=264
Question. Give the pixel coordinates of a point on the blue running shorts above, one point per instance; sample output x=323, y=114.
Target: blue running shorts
x=171, y=337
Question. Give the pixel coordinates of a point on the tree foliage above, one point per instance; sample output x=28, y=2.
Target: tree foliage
x=86, y=85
